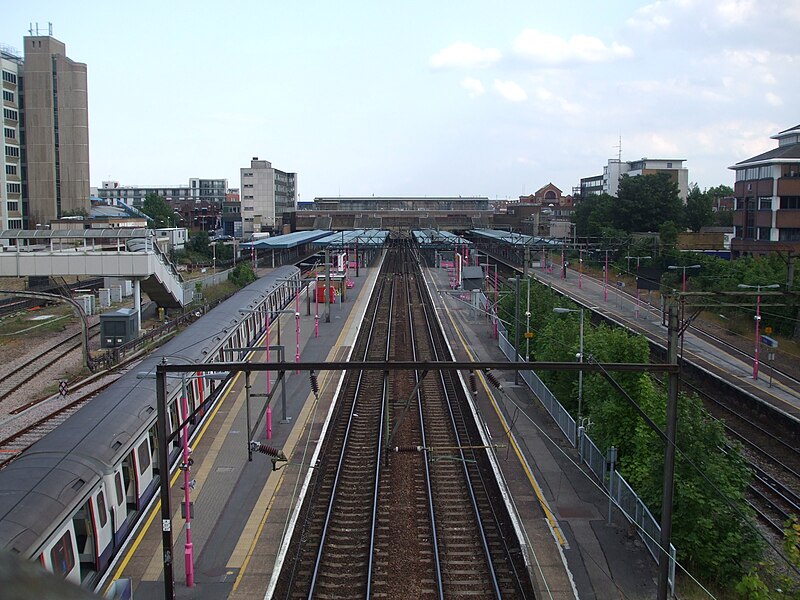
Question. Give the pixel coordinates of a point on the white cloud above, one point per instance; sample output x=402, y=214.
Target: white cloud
x=735, y=12
x=773, y=99
x=549, y=49
x=650, y=18
x=464, y=55
x=473, y=86
x=510, y=91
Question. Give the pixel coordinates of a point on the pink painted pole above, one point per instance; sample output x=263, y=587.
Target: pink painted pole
x=495, y=302
x=297, y=318
x=580, y=270
x=269, y=386
x=188, y=552
x=758, y=322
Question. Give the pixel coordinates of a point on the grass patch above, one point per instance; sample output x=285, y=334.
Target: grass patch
x=22, y=325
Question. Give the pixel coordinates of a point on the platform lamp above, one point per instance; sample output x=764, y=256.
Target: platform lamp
x=758, y=289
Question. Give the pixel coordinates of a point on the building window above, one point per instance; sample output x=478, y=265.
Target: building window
x=8, y=96
x=9, y=133
x=11, y=169
x=15, y=223
x=248, y=185
x=12, y=151
x=669, y=165
x=13, y=188
x=10, y=114
x=247, y=174
x=789, y=234
x=765, y=203
x=9, y=77
x=790, y=202
x=763, y=233
x=13, y=206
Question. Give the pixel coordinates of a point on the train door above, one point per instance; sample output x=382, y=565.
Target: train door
x=103, y=527
x=59, y=557
x=174, y=420
x=117, y=502
x=83, y=523
x=130, y=482
x=145, y=468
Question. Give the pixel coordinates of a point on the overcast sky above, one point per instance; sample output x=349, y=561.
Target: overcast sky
x=425, y=97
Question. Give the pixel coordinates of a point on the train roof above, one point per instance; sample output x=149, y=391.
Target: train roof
x=55, y=473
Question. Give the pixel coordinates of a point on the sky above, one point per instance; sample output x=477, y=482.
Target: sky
x=469, y=98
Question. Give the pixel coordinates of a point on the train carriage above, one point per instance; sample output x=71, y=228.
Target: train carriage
x=73, y=498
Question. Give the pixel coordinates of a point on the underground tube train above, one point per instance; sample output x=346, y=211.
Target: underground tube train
x=72, y=499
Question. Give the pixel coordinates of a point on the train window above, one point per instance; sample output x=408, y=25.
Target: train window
x=118, y=487
x=61, y=555
x=143, y=454
x=101, y=509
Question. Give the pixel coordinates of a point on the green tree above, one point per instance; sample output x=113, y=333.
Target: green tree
x=155, y=207
x=668, y=234
x=242, y=275
x=646, y=201
x=592, y=214
x=200, y=243
x=698, y=209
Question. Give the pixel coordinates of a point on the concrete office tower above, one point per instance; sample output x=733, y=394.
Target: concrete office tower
x=56, y=113
x=267, y=196
x=10, y=168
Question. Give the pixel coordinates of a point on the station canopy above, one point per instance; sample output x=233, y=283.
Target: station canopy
x=516, y=239
x=289, y=240
x=366, y=238
x=433, y=238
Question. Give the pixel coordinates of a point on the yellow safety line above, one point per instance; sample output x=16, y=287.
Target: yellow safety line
x=542, y=502
x=132, y=550
x=339, y=342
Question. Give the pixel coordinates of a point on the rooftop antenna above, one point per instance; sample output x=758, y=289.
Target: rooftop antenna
x=619, y=149
x=35, y=30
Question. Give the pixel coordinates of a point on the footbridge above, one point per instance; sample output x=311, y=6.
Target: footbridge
x=127, y=253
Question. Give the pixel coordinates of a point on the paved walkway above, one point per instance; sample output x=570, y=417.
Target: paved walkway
x=563, y=510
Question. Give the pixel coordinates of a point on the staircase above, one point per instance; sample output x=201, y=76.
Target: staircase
x=165, y=285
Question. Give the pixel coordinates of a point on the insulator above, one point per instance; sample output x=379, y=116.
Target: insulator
x=408, y=448
x=473, y=385
x=492, y=379
x=314, y=384
x=268, y=450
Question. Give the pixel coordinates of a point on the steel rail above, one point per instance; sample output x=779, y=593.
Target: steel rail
x=463, y=459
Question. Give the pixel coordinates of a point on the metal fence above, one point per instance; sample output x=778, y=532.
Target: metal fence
x=623, y=495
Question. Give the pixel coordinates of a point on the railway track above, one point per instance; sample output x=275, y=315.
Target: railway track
x=15, y=379
x=414, y=513
x=30, y=425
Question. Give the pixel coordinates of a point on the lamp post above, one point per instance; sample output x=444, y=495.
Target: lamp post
x=638, y=259
x=563, y=311
x=683, y=268
x=758, y=289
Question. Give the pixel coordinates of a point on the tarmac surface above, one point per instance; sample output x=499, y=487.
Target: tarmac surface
x=243, y=508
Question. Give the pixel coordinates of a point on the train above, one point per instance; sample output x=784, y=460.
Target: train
x=73, y=498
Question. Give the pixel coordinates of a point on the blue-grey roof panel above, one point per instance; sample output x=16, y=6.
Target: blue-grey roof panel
x=289, y=240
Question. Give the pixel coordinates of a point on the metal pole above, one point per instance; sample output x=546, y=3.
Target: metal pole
x=163, y=476
x=188, y=550
x=758, y=322
x=250, y=435
x=327, y=286
x=284, y=418
x=580, y=373
x=580, y=270
x=516, y=332
x=669, y=457
x=605, y=280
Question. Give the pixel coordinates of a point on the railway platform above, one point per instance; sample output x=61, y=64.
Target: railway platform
x=565, y=515
x=241, y=507
x=614, y=304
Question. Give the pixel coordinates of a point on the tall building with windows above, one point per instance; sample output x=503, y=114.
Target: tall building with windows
x=267, y=197
x=767, y=192
x=11, y=206
x=55, y=140
x=608, y=182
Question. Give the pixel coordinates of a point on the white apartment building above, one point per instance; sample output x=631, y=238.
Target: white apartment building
x=267, y=195
x=646, y=166
x=10, y=159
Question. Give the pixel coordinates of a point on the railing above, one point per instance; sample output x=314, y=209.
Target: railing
x=618, y=489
